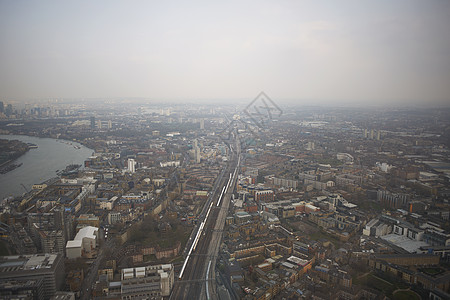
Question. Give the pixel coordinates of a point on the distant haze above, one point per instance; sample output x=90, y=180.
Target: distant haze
x=313, y=51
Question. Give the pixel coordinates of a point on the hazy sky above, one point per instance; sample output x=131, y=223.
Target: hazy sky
x=350, y=51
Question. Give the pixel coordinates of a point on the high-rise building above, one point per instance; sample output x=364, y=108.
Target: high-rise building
x=43, y=274
x=131, y=165
x=50, y=231
x=196, y=152
x=9, y=110
x=92, y=122
x=2, y=107
x=21, y=288
x=52, y=241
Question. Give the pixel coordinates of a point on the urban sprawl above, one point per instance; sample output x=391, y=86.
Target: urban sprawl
x=230, y=201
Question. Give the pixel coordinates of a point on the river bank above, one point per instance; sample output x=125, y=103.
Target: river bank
x=10, y=150
x=41, y=163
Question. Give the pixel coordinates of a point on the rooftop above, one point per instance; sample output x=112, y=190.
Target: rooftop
x=26, y=262
x=88, y=231
x=404, y=242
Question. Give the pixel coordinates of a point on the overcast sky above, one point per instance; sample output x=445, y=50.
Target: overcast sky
x=321, y=51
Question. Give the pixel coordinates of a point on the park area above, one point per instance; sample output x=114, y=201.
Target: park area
x=395, y=289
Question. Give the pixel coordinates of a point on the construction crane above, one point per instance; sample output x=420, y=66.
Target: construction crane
x=26, y=190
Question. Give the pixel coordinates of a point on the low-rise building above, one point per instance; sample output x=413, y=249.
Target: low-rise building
x=84, y=242
x=149, y=282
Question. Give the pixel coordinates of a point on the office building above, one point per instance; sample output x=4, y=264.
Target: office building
x=196, y=151
x=22, y=288
x=41, y=274
x=149, y=282
x=131, y=165
x=92, y=122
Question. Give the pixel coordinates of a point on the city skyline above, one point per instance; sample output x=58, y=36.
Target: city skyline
x=199, y=201
x=297, y=52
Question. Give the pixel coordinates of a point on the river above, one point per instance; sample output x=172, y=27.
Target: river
x=41, y=164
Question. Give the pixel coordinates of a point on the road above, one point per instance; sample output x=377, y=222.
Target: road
x=198, y=274
x=92, y=273
x=197, y=277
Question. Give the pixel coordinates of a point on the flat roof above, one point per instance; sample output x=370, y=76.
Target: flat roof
x=297, y=260
x=74, y=244
x=287, y=265
x=26, y=262
x=115, y=284
x=404, y=242
x=88, y=231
